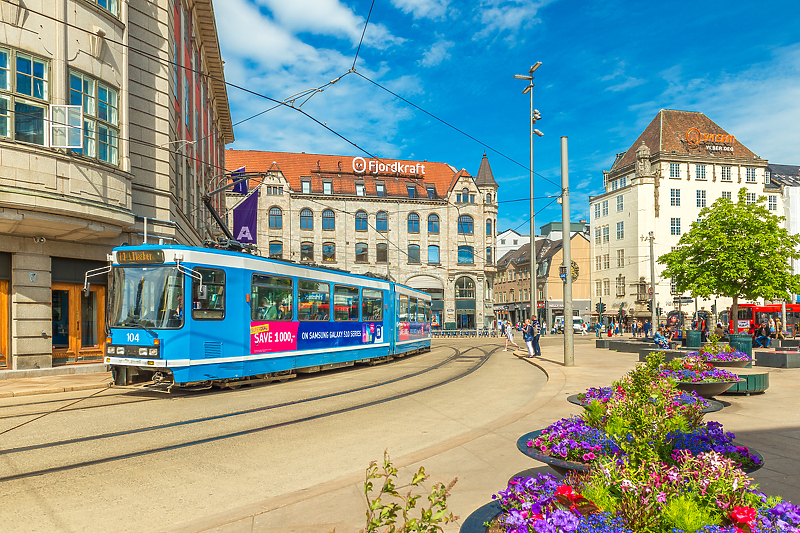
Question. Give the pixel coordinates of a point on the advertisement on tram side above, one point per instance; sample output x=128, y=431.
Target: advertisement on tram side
x=409, y=331
x=268, y=337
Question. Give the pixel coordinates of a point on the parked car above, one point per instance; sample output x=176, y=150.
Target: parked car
x=577, y=324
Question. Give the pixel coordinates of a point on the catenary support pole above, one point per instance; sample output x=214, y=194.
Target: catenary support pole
x=566, y=236
x=534, y=294
x=653, y=311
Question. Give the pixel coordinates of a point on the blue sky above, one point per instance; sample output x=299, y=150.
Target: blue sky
x=607, y=68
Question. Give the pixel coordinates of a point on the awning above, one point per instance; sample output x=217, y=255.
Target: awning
x=611, y=313
x=425, y=282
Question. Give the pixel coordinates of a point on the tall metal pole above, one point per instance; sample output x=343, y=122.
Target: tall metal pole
x=534, y=292
x=566, y=235
x=653, y=317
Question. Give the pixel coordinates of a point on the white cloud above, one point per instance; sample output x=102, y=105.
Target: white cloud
x=759, y=105
x=436, y=53
x=498, y=16
x=432, y=9
x=627, y=84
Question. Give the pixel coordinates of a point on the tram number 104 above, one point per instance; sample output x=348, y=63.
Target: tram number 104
x=133, y=337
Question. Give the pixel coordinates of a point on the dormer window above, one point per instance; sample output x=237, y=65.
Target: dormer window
x=412, y=191
x=431, y=189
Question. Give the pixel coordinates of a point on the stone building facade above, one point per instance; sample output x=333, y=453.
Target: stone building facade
x=512, y=283
x=145, y=136
x=424, y=224
x=682, y=162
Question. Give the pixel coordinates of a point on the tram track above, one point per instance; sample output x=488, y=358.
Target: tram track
x=475, y=365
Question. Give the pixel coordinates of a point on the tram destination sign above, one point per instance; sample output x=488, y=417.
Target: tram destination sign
x=140, y=257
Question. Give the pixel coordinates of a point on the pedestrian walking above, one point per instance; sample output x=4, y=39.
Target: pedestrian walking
x=537, y=332
x=509, y=337
x=527, y=336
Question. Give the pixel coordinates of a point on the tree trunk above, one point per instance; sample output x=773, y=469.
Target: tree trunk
x=733, y=318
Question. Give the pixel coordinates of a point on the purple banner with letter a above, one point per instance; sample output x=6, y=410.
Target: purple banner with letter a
x=245, y=217
x=240, y=187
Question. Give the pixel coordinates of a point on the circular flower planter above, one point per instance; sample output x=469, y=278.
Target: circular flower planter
x=564, y=467
x=706, y=389
x=474, y=523
x=713, y=405
x=730, y=364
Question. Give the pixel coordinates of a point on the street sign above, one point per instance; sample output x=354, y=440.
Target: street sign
x=678, y=300
x=650, y=291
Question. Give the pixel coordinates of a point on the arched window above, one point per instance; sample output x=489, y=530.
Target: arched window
x=306, y=219
x=488, y=227
x=275, y=217
x=465, y=288
x=413, y=223
x=361, y=221
x=328, y=219
x=433, y=223
x=413, y=253
x=488, y=197
x=465, y=224
x=465, y=255
x=328, y=252
x=276, y=249
x=382, y=221
x=464, y=194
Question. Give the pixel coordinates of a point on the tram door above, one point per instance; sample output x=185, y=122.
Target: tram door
x=79, y=334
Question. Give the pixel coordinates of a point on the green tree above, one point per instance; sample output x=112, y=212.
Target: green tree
x=735, y=250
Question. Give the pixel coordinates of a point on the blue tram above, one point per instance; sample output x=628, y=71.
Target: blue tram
x=192, y=316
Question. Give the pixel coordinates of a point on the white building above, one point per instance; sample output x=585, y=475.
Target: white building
x=681, y=163
x=788, y=178
x=509, y=241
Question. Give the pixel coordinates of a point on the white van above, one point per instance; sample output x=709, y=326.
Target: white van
x=577, y=324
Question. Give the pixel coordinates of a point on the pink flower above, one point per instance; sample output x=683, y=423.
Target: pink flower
x=588, y=456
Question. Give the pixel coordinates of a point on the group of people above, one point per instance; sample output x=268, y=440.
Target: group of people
x=773, y=329
x=531, y=331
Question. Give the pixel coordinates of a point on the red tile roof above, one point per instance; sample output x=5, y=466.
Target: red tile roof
x=668, y=132
x=338, y=169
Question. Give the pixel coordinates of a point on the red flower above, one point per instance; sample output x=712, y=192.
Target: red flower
x=567, y=492
x=743, y=515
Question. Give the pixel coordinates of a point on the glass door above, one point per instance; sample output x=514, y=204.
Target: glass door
x=78, y=323
x=4, y=325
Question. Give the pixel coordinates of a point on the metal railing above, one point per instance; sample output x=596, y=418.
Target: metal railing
x=463, y=333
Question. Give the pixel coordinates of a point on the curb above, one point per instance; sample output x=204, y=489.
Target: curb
x=54, y=390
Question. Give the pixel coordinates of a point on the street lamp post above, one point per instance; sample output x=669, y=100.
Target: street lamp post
x=533, y=118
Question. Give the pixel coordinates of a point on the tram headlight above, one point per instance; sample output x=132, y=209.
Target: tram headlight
x=142, y=351
x=120, y=350
x=154, y=351
x=111, y=350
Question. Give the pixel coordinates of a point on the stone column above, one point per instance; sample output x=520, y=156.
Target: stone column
x=31, y=312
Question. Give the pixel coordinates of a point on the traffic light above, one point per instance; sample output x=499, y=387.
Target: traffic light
x=649, y=306
x=713, y=309
x=602, y=308
x=598, y=307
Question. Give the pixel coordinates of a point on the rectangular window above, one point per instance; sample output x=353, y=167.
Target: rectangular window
x=5, y=117
x=673, y=286
x=328, y=252
x=109, y=5
x=381, y=252
x=598, y=262
x=488, y=255
x=767, y=177
x=362, y=255
x=29, y=122
x=413, y=253
x=605, y=208
x=701, y=198
x=402, y=309
x=772, y=202
x=699, y=172
x=465, y=255
x=621, y=286
x=431, y=190
x=675, y=197
x=472, y=198
x=306, y=187
x=597, y=210
x=208, y=301
x=598, y=287
x=412, y=191
x=380, y=190
x=614, y=185
x=606, y=261
x=751, y=198
x=106, y=144
x=345, y=303
x=623, y=182
x=271, y=298
x=5, y=70
x=31, y=76
x=597, y=236
x=674, y=170
x=327, y=187
x=750, y=175
x=606, y=234
x=458, y=198
x=606, y=287
x=620, y=203
x=307, y=251
x=433, y=254
x=276, y=250
x=674, y=226
x=620, y=230
x=313, y=300
x=726, y=195
x=620, y=258
x=726, y=174
x=359, y=189
x=186, y=103
x=371, y=305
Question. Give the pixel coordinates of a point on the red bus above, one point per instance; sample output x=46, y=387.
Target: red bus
x=751, y=315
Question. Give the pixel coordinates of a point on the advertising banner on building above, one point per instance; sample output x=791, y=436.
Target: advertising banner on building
x=240, y=187
x=245, y=217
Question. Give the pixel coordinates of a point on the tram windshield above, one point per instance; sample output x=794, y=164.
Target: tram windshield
x=150, y=297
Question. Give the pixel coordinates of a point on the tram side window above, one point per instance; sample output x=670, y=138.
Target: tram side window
x=421, y=310
x=402, y=312
x=412, y=309
x=345, y=303
x=271, y=298
x=427, y=311
x=209, y=303
x=313, y=300
x=372, y=305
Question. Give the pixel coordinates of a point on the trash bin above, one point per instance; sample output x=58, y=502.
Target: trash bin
x=742, y=342
x=693, y=339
